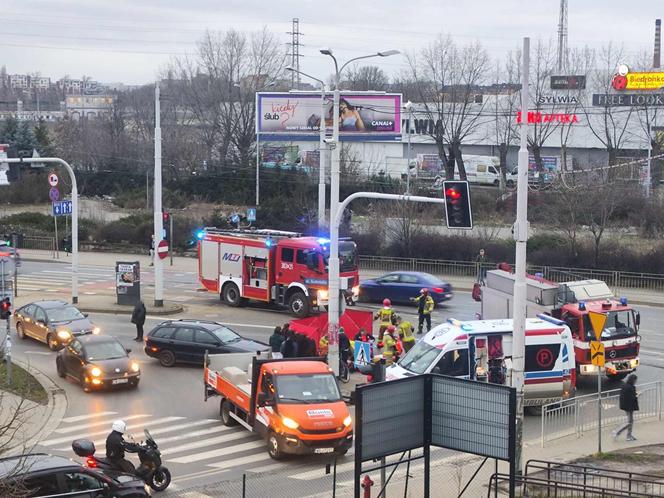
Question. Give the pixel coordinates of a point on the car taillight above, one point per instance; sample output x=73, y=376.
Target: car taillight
x=437, y=290
x=91, y=462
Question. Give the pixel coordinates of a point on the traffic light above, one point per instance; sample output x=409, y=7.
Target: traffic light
x=457, y=204
x=166, y=216
x=5, y=309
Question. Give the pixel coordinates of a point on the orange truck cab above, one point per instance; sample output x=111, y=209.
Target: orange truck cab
x=294, y=404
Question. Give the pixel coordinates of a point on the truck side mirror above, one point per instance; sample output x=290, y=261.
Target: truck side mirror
x=264, y=399
x=637, y=319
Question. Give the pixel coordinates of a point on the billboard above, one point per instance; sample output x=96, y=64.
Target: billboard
x=297, y=116
x=575, y=82
x=638, y=81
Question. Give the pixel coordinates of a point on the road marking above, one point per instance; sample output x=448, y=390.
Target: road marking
x=45, y=353
x=241, y=434
x=189, y=435
x=78, y=418
x=197, y=457
x=53, y=442
x=228, y=464
x=67, y=430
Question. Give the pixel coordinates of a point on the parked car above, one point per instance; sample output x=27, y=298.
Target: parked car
x=52, y=322
x=400, y=286
x=186, y=341
x=42, y=475
x=96, y=362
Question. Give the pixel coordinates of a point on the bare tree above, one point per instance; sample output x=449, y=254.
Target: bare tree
x=448, y=79
x=402, y=224
x=14, y=412
x=365, y=78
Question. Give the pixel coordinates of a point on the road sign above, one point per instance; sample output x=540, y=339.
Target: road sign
x=162, y=249
x=597, y=353
x=54, y=194
x=53, y=179
x=362, y=353
x=597, y=320
x=62, y=208
x=251, y=214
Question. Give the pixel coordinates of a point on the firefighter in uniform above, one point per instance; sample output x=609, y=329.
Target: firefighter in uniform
x=323, y=346
x=424, y=308
x=390, y=345
x=385, y=315
x=405, y=330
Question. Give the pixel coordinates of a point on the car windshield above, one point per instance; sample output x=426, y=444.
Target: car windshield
x=309, y=388
x=226, y=335
x=618, y=324
x=104, y=351
x=420, y=357
x=347, y=255
x=64, y=314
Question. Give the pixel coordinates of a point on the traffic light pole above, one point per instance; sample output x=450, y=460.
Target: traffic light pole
x=74, y=213
x=334, y=283
x=158, y=215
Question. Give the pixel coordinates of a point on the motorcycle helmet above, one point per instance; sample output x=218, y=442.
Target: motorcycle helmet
x=119, y=426
x=387, y=302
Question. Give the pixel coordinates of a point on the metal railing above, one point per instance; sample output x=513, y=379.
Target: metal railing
x=577, y=415
x=35, y=242
x=633, y=482
x=541, y=487
x=615, y=279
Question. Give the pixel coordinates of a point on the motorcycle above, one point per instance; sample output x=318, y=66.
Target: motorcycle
x=151, y=470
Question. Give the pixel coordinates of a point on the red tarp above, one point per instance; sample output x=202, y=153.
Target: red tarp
x=315, y=327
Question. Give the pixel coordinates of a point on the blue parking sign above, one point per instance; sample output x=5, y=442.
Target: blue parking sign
x=362, y=354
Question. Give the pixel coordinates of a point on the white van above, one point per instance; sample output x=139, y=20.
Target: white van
x=483, y=170
x=482, y=350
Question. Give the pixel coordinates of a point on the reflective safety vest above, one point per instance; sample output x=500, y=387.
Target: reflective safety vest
x=385, y=316
x=428, y=304
x=323, y=346
x=406, y=332
x=389, y=345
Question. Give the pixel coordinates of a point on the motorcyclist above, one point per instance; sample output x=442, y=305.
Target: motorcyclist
x=116, y=446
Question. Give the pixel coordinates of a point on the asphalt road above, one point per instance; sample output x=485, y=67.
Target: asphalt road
x=197, y=447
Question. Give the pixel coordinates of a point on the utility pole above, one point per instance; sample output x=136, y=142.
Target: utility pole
x=158, y=216
x=409, y=108
x=521, y=238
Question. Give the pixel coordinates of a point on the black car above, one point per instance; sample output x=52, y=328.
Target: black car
x=187, y=340
x=97, y=362
x=52, y=322
x=41, y=475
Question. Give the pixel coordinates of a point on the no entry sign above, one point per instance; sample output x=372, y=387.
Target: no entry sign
x=162, y=249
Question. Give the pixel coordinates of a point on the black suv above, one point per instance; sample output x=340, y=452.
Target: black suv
x=187, y=340
x=41, y=475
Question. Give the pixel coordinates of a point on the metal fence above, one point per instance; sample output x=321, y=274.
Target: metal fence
x=34, y=242
x=614, y=279
x=578, y=415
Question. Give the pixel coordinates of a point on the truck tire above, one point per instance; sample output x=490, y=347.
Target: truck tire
x=231, y=295
x=298, y=304
x=224, y=412
x=274, y=446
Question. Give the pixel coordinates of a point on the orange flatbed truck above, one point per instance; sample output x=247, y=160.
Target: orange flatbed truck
x=294, y=404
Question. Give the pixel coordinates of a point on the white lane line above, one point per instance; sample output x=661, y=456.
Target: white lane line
x=45, y=353
x=235, y=462
x=87, y=435
x=264, y=468
x=197, y=457
x=189, y=435
x=108, y=422
x=647, y=352
x=78, y=418
x=206, y=442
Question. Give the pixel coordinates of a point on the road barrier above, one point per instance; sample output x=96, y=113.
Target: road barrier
x=36, y=242
x=578, y=415
x=615, y=279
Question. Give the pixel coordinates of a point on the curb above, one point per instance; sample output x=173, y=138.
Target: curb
x=171, y=309
x=56, y=406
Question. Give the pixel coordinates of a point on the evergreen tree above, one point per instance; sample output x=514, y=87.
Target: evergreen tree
x=9, y=131
x=43, y=139
x=25, y=138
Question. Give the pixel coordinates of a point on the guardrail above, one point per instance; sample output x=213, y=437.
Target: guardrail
x=614, y=279
x=36, y=242
x=645, y=485
x=577, y=415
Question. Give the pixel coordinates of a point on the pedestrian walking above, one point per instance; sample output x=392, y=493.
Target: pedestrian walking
x=481, y=263
x=276, y=340
x=425, y=306
x=138, y=319
x=629, y=403
x=151, y=249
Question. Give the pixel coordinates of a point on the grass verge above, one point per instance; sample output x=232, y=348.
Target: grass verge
x=23, y=384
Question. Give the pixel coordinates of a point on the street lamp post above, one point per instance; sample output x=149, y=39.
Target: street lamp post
x=321, y=147
x=409, y=108
x=333, y=305
x=157, y=215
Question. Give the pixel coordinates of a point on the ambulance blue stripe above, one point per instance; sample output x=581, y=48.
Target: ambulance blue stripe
x=539, y=375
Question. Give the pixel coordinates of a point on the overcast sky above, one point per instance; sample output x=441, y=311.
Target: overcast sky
x=130, y=40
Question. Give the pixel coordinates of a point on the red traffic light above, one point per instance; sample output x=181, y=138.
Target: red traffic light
x=452, y=194
x=166, y=215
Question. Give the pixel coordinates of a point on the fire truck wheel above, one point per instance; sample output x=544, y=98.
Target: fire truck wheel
x=231, y=295
x=224, y=411
x=298, y=304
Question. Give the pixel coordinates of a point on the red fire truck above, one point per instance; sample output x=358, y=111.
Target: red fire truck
x=272, y=266
x=571, y=302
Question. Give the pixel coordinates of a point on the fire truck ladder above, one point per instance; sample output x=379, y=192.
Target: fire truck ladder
x=241, y=232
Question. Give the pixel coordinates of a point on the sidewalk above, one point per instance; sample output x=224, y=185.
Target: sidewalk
x=35, y=421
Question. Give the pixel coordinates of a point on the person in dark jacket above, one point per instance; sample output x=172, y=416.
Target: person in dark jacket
x=115, y=447
x=289, y=346
x=138, y=318
x=629, y=403
x=276, y=340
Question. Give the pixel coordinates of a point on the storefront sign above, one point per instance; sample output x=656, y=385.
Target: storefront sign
x=638, y=81
x=542, y=117
x=628, y=100
x=568, y=82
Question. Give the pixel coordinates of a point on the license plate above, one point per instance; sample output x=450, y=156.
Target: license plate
x=323, y=450
x=120, y=381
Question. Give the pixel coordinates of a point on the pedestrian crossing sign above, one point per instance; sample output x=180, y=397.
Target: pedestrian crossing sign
x=362, y=354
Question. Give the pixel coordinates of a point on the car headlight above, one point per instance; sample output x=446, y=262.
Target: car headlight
x=95, y=371
x=135, y=367
x=64, y=334
x=348, y=421
x=356, y=290
x=290, y=423
x=323, y=295
x=96, y=330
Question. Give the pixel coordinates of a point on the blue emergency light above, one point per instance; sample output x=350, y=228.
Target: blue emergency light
x=269, y=243
x=582, y=306
x=200, y=234
x=322, y=241
x=623, y=301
